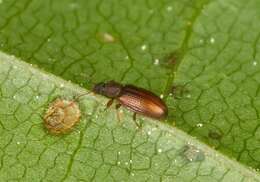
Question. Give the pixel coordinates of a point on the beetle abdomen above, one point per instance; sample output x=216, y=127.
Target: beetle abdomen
x=143, y=102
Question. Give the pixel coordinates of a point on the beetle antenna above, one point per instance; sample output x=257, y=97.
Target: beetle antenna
x=76, y=98
x=81, y=95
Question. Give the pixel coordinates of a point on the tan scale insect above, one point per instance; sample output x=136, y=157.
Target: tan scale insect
x=61, y=116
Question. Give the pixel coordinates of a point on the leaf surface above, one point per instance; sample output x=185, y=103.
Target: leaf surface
x=99, y=148
x=202, y=56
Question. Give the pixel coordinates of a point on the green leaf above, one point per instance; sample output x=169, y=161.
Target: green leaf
x=100, y=148
x=221, y=71
x=208, y=50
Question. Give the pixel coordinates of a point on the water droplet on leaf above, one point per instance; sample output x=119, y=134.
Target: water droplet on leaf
x=193, y=154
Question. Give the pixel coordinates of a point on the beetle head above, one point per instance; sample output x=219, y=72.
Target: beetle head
x=110, y=89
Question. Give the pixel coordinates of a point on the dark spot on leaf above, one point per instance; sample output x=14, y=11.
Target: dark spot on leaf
x=214, y=135
x=61, y=116
x=171, y=60
x=178, y=91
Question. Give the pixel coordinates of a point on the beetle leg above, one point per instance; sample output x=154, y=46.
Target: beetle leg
x=109, y=103
x=118, y=106
x=134, y=118
x=117, y=112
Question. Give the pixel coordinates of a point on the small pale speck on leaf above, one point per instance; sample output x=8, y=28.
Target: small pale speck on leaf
x=144, y=47
x=156, y=62
x=169, y=8
x=73, y=6
x=189, y=23
x=154, y=129
x=106, y=37
x=188, y=96
x=161, y=96
x=61, y=116
x=254, y=63
x=118, y=163
x=61, y=85
x=18, y=143
x=159, y=150
x=212, y=40
x=199, y=125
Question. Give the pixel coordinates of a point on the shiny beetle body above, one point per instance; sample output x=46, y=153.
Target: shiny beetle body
x=138, y=100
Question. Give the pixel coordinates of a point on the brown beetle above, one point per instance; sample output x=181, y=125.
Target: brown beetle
x=138, y=100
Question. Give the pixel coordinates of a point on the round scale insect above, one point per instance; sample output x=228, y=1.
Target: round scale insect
x=136, y=99
x=61, y=116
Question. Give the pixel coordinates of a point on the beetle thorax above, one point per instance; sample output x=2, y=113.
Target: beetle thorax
x=110, y=89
